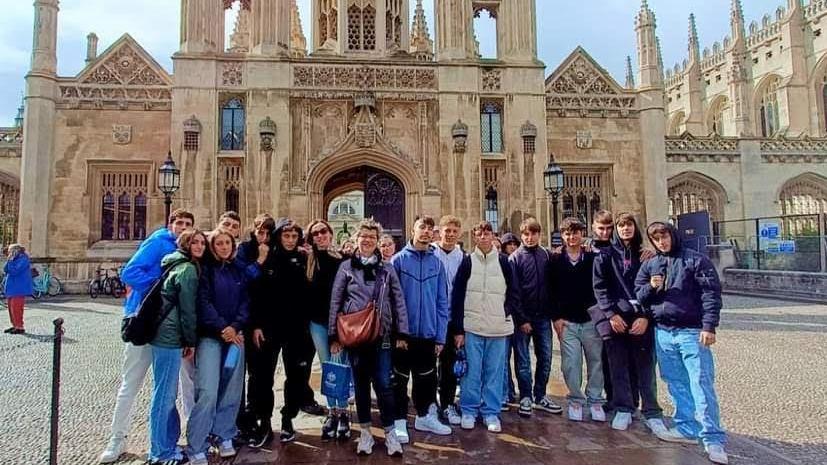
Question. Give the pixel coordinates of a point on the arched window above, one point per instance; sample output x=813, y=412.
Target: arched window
x=124, y=210
x=676, y=124
x=715, y=122
x=344, y=208
x=583, y=208
x=824, y=101
x=803, y=195
x=361, y=26
x=108, y=217
x=568, y=205
x=232, y=125
x=492, y=211
x=768, y=109
x=691, y=192
x=491, y=129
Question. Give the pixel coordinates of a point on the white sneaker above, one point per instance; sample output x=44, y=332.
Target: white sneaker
x=366, y=442
x=198, y=459
x=493, y=424
x=575, y=412
x=657, y=426
x=451, y=414
x=226, y=449
x=113, y=450
x=622, y=421
x=598, y=414
x=430, y=423
x=673, y=435
x=717, y=454
x=392, y=443
x=467, y=421
x=401, y=428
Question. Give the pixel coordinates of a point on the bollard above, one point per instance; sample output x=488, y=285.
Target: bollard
x=58, y=343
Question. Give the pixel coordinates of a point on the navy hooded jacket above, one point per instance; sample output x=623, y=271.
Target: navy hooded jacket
x=610, y=266
x=691, y=293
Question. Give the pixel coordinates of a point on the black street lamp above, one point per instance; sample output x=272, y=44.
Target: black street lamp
x=553, y=181
x=169, y=181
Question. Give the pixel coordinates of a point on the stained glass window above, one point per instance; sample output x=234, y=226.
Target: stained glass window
x=139, y=222
x=108, y=217
x=123, y=213
x=232, y=125
x=769, y=110
x=491, y=128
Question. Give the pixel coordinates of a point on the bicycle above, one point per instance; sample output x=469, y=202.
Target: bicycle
x=45, y=283
x=106, y=284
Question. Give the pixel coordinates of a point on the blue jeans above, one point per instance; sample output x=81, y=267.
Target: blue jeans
x=688, y=369
x=581, y=339
x=217, y=396
x=508, y=373
x=481, y=389
x=541, y=336
x=320, y=340
x=164, y=423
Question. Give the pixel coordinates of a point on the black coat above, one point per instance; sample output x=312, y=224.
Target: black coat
x=571, y=287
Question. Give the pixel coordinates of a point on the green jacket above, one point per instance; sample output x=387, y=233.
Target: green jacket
x=179, y=295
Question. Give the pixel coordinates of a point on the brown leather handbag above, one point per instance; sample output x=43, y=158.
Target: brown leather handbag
x=362, y=327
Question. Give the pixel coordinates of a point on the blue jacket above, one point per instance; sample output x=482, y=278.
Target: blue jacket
x=18, y=276
x=222, y=299
x=425, y=286
x=614, y=273
x=691, y=294
x=144, y=268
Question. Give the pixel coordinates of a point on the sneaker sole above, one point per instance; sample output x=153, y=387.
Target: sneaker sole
x=422, y=430
x=224, y=455
x=678, y=440
x=524, y=414
x=549, y=410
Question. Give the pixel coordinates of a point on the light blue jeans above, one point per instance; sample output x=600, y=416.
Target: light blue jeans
x=164, y=422
x=581, y=339
x=320, y=340
x=688, y=369
x=217, y=396
x=481, y=389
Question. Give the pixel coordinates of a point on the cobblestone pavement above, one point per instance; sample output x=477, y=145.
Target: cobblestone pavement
x=771, y=377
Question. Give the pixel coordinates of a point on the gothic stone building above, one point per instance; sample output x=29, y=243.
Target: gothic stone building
x=272, y=122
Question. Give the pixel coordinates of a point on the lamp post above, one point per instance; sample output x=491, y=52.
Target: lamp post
x=553, y=181
x=169, y=181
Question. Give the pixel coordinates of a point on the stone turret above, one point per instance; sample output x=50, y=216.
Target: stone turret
x=422, y=47
x=649, y=67
x=298, y=42
x=454, y=30
x=694, y=84
x=202, y=26
x=240, y=38
x=630, y=74
x=794, y=94
x=91, y=47
x=740, y=83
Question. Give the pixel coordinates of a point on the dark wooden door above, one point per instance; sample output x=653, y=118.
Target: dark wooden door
x=385, y=202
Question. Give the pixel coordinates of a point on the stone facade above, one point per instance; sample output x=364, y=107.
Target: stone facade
x=272, y=121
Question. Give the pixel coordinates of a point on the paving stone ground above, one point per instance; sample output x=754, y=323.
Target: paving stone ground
x=772, y=369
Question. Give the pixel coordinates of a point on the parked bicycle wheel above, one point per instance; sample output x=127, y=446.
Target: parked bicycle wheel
x=118, y=288
x=94, y=288
x=55, y=287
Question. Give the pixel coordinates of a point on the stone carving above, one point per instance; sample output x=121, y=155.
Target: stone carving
x=232, y=73
x=459, y=132
x=245, y=4
x=584, y=140
x=11, y=135
x=581, y=88
x=491, y=79
x=802, y=150
x=118, y=98
x=364, y=77
x=687, y=148
x=121, y=134
x=349, y=95
x=267, y=132
x=125, y=66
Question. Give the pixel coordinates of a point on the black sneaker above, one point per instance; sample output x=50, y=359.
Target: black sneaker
x=343, y=431
x=547, y=405
x=9, y=330
x=331, y=424
x=525, y=408
x=261, y=437
x=314, y=409
x=17, y=331
x=288, y=434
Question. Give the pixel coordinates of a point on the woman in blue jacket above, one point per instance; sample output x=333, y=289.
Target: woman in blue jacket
x=222, y=314
x=18, y=286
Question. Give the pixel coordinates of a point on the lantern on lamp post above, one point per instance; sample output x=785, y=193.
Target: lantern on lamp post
x=553, y=181
x=169, y=181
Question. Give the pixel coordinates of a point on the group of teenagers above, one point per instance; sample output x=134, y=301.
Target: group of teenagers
x=448, y=319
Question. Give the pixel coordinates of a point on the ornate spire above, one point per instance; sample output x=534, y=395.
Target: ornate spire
x=645, y=16
x=18, y=120
x=421, y=44
x=630, y=75
x=240, y=38
x=694, y=45
x=298, y=42
x=736, y=19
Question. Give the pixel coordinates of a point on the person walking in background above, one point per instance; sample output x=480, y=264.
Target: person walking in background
x=484, y=297
x=223, y=312
x=425, y=287
x=176, y=339
x=572, y=293
x=451, y=256
x=387, y=246
x=632, y=339
x=18, y=286
x=139, y=274
x=683, y=292
x=322, y=266
x=532, y=320
x=353, y=288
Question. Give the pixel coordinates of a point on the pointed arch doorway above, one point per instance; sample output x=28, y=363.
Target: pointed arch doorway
x=365, y=192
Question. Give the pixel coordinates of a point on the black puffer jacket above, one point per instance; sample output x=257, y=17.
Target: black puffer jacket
x=530, y=265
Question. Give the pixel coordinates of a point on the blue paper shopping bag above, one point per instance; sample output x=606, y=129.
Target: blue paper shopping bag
x=336, y=377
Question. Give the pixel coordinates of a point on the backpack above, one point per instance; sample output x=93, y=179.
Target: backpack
x=142, y=327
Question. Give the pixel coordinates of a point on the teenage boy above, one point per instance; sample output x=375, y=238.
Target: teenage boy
x=632, y=340
x=510, y=243
x=570, y=282
x=451, y=256
x=230, y=222
x=139, y=273
x=484, y=297
x=532, y=320
x=683, y=292
x=424, y=284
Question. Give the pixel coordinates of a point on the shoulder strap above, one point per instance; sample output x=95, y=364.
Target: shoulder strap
x=381, y=275
x=629, y=294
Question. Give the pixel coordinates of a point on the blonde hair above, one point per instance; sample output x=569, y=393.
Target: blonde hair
x=214, y=236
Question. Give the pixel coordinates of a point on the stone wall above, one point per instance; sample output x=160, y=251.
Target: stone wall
x=785, y=284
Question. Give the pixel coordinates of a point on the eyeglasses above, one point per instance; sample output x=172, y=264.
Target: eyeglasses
x=319, y=232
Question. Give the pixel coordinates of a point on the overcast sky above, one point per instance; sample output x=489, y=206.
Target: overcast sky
x=605, y=28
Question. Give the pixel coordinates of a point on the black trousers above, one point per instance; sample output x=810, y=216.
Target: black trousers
x=372, y=365
x=419, y=363
x=607, y=380
x=262, y=368
x=447, y=380
x=626, y=354
x=307, y=352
